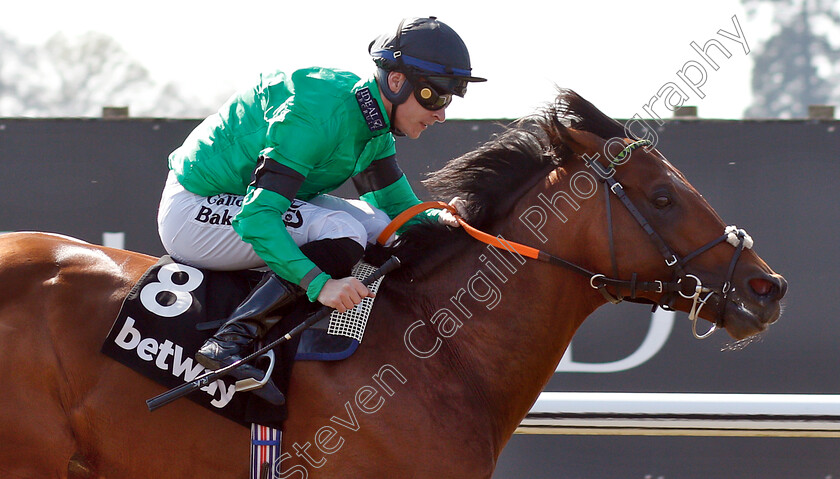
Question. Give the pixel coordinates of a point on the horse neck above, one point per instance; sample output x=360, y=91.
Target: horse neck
x=520, y=313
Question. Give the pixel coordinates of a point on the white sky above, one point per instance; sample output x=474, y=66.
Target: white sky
x=617, y=54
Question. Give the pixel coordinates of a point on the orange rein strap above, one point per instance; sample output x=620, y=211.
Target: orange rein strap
x=597, y=281
x=406, y=215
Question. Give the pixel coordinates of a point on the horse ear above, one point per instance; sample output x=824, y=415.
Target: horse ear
x=578, y=141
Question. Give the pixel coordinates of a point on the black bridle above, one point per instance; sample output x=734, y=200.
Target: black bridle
x=679, y=285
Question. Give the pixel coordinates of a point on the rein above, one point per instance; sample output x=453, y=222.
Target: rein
x=669, y=289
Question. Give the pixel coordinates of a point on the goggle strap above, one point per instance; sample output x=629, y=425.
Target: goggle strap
x=427, y=66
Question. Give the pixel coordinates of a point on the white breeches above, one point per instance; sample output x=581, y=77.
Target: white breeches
x=196, y=230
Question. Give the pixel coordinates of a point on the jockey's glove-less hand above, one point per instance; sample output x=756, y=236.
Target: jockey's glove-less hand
x=447, y=218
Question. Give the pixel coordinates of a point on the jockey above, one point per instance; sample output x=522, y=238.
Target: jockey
x=247, y=187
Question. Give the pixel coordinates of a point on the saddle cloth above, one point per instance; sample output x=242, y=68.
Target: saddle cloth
x=155, y=334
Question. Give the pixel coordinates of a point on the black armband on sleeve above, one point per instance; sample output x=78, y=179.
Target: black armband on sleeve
x=378, y=175
x=271, y=175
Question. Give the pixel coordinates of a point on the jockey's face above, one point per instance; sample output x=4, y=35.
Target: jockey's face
x=411, y=118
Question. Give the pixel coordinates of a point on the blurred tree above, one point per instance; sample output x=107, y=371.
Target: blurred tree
x=68, y=77
x=13, y=58
x=797, y=66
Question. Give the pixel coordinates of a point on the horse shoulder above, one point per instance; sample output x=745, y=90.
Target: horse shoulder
x=388, y=398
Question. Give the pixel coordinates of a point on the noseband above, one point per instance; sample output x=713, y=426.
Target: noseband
x=678, y=286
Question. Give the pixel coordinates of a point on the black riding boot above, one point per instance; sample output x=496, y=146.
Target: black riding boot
x=252, y=319
x=248, y=322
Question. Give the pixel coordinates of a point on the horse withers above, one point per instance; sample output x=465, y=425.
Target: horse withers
x=459, y=344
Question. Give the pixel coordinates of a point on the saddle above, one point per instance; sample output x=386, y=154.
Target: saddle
x=174, y=308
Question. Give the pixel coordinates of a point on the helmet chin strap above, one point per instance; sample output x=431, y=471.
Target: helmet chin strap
x=393, y=118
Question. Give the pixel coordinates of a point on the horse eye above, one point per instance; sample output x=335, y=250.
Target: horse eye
x=662, y=201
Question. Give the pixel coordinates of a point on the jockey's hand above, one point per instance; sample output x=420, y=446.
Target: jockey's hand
x=342, y=294
x=447, y=218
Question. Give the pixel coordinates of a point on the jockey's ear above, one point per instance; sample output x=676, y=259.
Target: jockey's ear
x=396, y=80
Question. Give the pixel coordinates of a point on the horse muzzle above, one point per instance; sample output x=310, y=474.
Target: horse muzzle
x=752, y=305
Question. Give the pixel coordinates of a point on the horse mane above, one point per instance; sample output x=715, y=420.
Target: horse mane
x=494, y=176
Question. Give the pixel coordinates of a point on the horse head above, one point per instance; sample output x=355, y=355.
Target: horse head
x=658, y=239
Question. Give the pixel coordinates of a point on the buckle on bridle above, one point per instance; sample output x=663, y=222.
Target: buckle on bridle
x=660, y=287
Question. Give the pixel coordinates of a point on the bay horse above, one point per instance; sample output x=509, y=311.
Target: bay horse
x=460, y=342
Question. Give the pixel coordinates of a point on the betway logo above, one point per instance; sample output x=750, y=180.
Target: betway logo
x=150, y=349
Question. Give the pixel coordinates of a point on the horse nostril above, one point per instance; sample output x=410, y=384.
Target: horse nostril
x=761, y=287
x=770, y=286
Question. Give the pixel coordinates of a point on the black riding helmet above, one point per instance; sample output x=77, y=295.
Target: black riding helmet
x=422, y=48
